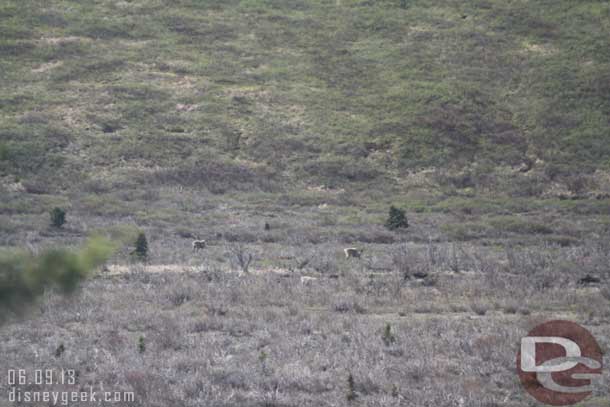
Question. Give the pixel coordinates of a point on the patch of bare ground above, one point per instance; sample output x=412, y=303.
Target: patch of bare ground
x=72, y=116
x=540, y=49
x=64, y=40
x=116, y=269
x=47, y=66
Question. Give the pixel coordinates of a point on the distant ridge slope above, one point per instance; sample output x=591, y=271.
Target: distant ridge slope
x=262, y=94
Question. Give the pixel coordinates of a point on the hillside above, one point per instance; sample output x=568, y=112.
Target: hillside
x=156, y=112
x=392, y=194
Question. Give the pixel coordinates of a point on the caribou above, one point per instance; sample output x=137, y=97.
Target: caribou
x=352, y=252
x=306, y=280
x=198, y=244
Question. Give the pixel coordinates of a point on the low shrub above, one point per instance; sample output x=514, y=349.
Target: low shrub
x=24, y=277
x=58, y=217
x=479, y=308
x=519, y=225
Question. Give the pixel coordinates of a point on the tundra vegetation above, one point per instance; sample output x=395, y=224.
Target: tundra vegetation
x=25, y=277
x=141, y=247
x=58, y=217
x=485, y=121
x=397, y=219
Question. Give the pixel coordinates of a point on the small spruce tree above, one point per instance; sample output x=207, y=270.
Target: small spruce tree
x=58, y=217
x=141, y=250
x=388, y=337
x=396, y=219
x=141, y=345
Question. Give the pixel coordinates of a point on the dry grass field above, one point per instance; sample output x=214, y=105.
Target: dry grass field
x=216, y=336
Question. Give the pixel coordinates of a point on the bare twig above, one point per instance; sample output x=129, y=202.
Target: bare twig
x=241, y=257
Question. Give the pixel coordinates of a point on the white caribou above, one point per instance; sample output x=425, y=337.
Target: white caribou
x=353, y=252
x=198, y=244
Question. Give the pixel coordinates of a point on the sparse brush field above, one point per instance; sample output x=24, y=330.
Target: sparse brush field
x=204, y=334
x=281, y=132
x=195, y=114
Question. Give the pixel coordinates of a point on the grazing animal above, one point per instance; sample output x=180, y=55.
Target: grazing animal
x=352, y=252
x=306, y=280
x=198, y=244
x=588, y=279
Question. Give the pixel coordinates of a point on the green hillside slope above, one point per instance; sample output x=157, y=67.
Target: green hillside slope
x=274, y=96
